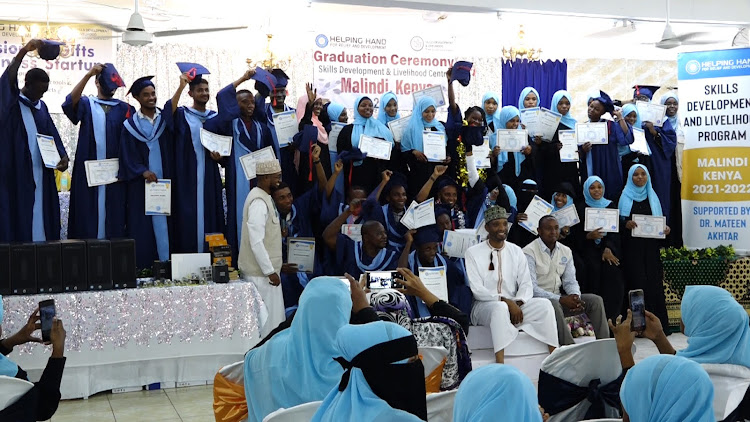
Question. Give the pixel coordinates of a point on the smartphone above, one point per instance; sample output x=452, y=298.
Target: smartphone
x=378, y=280
x=47, y=314
x=638, y=308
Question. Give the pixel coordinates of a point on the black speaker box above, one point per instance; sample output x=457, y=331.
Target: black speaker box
x=162, y=270
x=99, y=262
x=220, y=273
x=5, y=269
x=48, y=267
x=23, y=268
x=123, y=263
x=74, y=270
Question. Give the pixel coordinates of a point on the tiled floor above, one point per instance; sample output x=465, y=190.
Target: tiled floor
x=187, y=404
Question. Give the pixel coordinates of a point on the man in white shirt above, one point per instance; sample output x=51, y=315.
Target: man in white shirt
x=503, y=292
x=260, y=257
x=554, y=277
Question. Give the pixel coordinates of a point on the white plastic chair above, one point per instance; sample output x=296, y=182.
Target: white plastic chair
x=440, y=406
x=234, y=372
x=12, y=389
x=579, y=364
x=525, y=352
x=730, y=382
x=301, y=413
x=432, y=357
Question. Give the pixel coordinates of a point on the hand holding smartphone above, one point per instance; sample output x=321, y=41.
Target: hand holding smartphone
x=47, y=315
x=379, y=280
x=638, y=309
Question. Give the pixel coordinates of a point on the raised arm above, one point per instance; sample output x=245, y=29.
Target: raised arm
x=245, y=77
x=403, y=260
x=176, y=97
x=320, y=173
x=75, y=94
x=386, y=177
x=330, y=234
x=451, y=94
x=424, y=193
x=12, y=70
x=331, y=184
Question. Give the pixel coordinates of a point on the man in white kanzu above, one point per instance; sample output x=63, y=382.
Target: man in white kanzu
x=499, y=278
x=260, y=257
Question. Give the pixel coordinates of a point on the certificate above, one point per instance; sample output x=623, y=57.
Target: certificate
x=436, y=281
x=606, y=219
x=375, y=147
x=216, y=143
x=48, y=149
x=433, y=146
x=481, y=154
x=286, y=126
x=651, y=112
x=301, y=251
x=159, y=197
x=424, y=213
x=248, y=161
x=408, y=219
x=549, y=121
x=397, y=128
x=537, y=209
x=456, y=243
x=639, y=142
x=530, y=121
x=435, y=91
x=649, y=226
x=569, y=150
x=333, y=137
x=101, y=172
x=567, y=217
x=594, y=133
x=353, y=231
x=512, y=140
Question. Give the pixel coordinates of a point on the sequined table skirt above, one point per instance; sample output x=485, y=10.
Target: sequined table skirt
x=135, y=337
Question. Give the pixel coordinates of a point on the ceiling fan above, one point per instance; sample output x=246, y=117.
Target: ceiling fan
x=741, y=39
x=671, y=40
x=135, y=33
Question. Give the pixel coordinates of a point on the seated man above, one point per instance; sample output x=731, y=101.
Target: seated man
x=554, y=278
x=503, y=292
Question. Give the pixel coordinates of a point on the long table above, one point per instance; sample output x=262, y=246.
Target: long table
x=135, y=337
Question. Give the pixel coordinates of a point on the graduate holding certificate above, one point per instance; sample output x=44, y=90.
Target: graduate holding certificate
x=413, y=146
x=30, y=207
x=511, y=166
x=557, y=160
x=537, y=209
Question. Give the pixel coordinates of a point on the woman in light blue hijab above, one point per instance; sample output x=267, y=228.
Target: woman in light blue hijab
x=551, y=169
x=496, y=392
x=385, y=104
x=666, y=388
x=525, y=100
x=423, y=118
x=508, y=166
x=381, y=377
x=491, y=102
x=336, y=112
x=296, y=365
x=634, y=193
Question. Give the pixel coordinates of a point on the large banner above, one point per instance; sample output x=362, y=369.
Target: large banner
x=350, y=65
x=93, y=45
x=714, y=91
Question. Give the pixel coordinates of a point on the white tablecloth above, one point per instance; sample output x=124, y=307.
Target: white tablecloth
x=135, y=337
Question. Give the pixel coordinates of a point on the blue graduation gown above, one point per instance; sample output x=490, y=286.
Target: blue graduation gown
x=350, y=255
x=662, y=155
x=459, y=293
x=300, y=225
x=18, y=193
x=265, y=113
x=85, y=206
x=245, y=141
x=604, y=160
x=134, y=161
x=191, y=217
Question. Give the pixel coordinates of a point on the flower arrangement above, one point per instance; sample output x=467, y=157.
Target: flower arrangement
x=580, y=326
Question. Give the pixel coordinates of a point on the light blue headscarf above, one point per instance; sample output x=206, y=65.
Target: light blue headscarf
x=506, y=114
x=666, y=388
x=633, y=193
x=674, y=120
x=383, y=117
x=413, y=133
x=590, y=201
x=367, y=126
x=566, y=119
x=568, y=203
x=523, y=95
x=492, y=118
x=496, y=392
x=334, y=111
x=296, y=365
x=7, y=367
x=358, y=403
x=716, y=325
x=629, y=108
x=511, y=196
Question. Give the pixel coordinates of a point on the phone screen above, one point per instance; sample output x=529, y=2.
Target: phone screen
x=638, y=308
x=346, y=283
x=383, y=280
x=47, y=314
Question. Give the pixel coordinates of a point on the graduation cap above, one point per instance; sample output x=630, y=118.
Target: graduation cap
x=462, y=72
x=353, y=155
x=140, y=84
x=427, y=234
x=282, y=79
x=193, y=71
x=397, y=179
x=603, y=98
x=50, y=49
x=265, y=82
x=109, y=79
x=647, y=90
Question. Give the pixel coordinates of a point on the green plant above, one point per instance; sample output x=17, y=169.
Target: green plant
x=685, y=254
